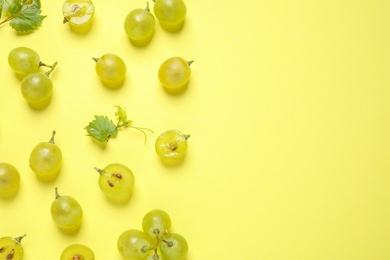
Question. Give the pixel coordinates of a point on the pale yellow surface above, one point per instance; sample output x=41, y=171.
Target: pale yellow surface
x=289, y=114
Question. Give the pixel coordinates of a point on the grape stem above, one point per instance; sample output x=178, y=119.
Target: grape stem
x=52, y=67
x=19, y=239
x=52, y=137
x=190, y=62
x=56, y=193
x=147, y=7
x=100, y=171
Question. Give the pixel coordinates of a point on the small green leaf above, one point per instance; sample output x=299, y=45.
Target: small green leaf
x=102, y=128
x=122, y=117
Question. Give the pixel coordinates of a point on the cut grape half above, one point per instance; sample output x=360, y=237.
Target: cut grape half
x=78, y=13
x=77, y=251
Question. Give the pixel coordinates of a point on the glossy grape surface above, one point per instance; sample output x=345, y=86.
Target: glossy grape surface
x=174, y=247
x=139, y=24
x=171, y=145
x=23, y=60
x=174, y=73
x=133, y=244
x=155, y=223
x=77, y=252
x=66, y=213
x=37, y=88
x=116, y=181
x=46, y=159
x=170, y=12
x=9, y=180
x=111, y=69
x=11, y=248
x=78, y=12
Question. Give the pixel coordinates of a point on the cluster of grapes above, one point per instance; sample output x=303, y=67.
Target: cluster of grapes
x=116, y=180
x=155, y=241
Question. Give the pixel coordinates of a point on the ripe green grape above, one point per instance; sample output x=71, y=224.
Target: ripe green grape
x=37, y=88
x=46, y=159
x=171, y=145
x=66, y=213
x=9, y=180
x=11, y=248
x=170, y=13
x=174, y=73
x=77, y=252
x=79, y=14
x=116, y=181
x=23, y=60
x=111, y=69
x=156, y=223
x=139, y=25
x=174, y=247
x=133, y=244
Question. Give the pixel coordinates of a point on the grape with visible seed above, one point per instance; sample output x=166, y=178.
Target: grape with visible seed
x=171, y=146
x=79, y=14
x=11, y=248
x=77, y=252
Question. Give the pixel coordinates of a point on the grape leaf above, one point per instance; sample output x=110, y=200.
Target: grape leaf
x=102, y=128
x=122, y=117
x=25, y=15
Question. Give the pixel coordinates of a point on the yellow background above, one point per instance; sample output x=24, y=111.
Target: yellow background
x=288, y=109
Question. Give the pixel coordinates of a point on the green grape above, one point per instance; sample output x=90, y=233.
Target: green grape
x=139, y=25
x=23, y=60
x=133, y=244
x=170, y=13
x=9, y=180
x=37, y=88
x=174, y=247
x=46, y=159
x=77, y=252
x=116, y=181
x=174, y=73
x=171, y=145
x=66, y=213
x=11, y=248
x=156, y=223
x=111, y=69
x=79, y=14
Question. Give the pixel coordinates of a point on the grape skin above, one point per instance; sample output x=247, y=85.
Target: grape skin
x=156, y=219
x=170, y=12
x=133, y=244
x=174, y=247
x=37, y=88
x=9, y=180
x=111, y=69
x=23, y=60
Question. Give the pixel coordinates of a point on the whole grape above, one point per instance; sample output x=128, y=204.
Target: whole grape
x=170, y=13
x=46, y=159
x=23, y=60
x=133, y=244
x=111, y=69
x=37, y=88
x=139, y=25
x=156, y=223
x=116, y=181
x=11, y=248
x=9, y=180
x=66, y=213
x=174, y=73
x=174, y=247
x=77, y=252
x=171, y=146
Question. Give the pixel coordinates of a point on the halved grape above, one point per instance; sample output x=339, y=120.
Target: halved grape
x=156, y=223
x=174, y=247
x=9, y=180
x=66, y=213
x=77, y=252
x=171, y=146
x=46, y=159
x=116, y=181
x=79, y=14
x=23, y=60
x=174, y=73
x=139, y=25
x=11, y=248
x=133, y=244
x=111, y=69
